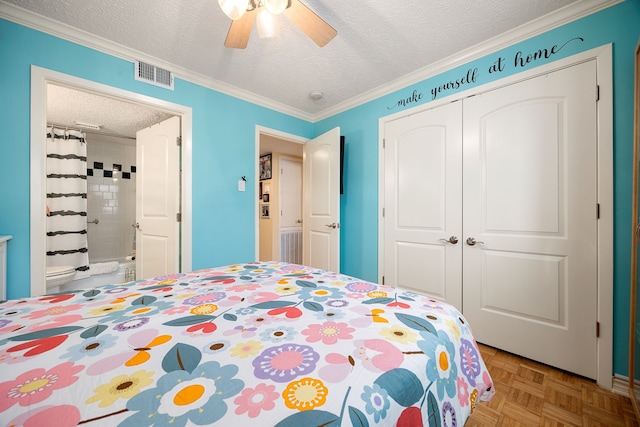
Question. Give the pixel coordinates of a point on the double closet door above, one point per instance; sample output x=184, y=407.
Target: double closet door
x=490, y=204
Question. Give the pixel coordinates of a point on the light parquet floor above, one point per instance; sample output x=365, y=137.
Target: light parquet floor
x=532, y=394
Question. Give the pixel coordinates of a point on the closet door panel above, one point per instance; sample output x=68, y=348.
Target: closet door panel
x=423, y=204
x=530, y=204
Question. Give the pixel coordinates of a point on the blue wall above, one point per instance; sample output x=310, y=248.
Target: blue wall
x=619, y=25
x=223, y=135
x=223, y=143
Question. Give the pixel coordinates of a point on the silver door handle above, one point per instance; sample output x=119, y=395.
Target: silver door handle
x=333, y=225
x=472, y=242
x=453, y=240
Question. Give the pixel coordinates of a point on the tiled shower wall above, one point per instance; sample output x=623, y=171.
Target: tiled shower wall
x=111, y=196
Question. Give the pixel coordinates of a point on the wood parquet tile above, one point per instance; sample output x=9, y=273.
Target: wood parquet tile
x=532, y=394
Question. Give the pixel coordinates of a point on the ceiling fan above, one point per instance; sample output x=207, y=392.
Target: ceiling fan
x=245, y=12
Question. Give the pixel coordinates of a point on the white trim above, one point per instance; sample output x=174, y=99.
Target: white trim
x=261, y=130
x=40, y=78
x=562, y=16
x=66, y=32
x=604, y=64
x=621, y=386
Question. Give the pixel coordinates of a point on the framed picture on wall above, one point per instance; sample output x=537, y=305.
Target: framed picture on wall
x=265, y=197
x=265, y=211
x=265, y=167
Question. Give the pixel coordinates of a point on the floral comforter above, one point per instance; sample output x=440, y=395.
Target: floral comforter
x=268, y=344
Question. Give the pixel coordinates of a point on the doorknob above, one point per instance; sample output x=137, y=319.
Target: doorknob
x=453, y=240
x=472, y=242
x=137, y=225
x=333, y=225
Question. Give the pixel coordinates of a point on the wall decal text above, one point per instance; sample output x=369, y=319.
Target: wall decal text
x=520, y=60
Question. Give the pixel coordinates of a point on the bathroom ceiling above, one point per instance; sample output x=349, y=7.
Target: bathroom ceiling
x=379, y=43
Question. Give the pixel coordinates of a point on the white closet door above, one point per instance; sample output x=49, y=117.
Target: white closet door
x=423, y=203
x=530, y=202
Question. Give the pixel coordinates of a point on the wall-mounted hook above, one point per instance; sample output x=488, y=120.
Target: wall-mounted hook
x=244, y=178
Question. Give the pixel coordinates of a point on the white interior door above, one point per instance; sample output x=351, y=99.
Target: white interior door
x=321, y=184
x=423, y=203
x=158, y=199
x=530, y=203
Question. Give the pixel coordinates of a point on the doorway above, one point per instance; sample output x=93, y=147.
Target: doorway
x=279, y=198
x=40, y=80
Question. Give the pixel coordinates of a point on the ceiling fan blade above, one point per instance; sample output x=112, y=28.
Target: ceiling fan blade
x=310, y=23
x=240, y=30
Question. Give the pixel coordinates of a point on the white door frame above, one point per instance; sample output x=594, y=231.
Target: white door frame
x=603, y=56
x=261, y=130
x=40, y=78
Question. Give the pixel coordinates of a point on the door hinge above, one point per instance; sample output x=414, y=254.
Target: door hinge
x=597, y=329
x=179, y=141
x=597, y=93
x=598, y=211
x=383, y=212
x=384, y=143
x=383, y=280
x=178, y=217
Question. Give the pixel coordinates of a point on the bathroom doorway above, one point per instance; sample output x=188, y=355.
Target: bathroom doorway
x=87, y=104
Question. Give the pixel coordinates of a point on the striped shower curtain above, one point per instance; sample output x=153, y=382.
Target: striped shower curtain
x=67, y=200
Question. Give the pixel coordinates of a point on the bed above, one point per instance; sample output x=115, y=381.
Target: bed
x=264, y=344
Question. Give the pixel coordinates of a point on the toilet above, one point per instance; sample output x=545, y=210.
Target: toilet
x=58, y=276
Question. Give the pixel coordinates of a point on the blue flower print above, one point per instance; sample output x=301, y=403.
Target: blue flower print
x=441, y=366
x=201, y=394
x=376, y=401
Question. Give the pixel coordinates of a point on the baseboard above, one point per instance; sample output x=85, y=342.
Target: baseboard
x=621, y=386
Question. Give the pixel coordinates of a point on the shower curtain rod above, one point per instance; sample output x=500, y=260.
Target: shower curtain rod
x=81, y=129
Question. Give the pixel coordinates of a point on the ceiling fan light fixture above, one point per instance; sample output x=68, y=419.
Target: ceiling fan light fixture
x=276, y=7
x=268, y=25
x=234, y=9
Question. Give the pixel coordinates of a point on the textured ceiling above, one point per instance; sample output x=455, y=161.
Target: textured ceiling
x=378, y=42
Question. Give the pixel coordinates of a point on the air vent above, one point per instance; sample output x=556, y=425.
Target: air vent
x=153, y=75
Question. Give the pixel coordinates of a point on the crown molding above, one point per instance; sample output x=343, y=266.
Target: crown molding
x=526, y=31
x=49, y=26
x=555, y=19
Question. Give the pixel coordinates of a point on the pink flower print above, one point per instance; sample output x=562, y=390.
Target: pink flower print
x=37, y=385
x=378, y=355
x=177, y=309
x=328, y=332
x=51, y=416
x=55, y=322
x=55, y=310
x=260, y=297
x=259, y=320
x=254, y=400
x=243, y=287
x=463, y=392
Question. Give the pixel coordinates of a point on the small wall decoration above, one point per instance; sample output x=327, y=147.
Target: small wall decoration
x=265, y=167
x=265, y=211
x=265, y=197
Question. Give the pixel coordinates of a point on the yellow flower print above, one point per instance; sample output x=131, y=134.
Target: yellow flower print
x=305, y=394
x=338, y=283
x=204, y=309
x=184, y=296
x=121, y=387
x=287, y=289
x=167, y=282
x=106, y=309
x=399, y=334
x=454, y=328
x=244, y=350
x=377, y=294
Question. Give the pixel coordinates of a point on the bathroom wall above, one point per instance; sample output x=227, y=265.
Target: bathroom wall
x=111, y=196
